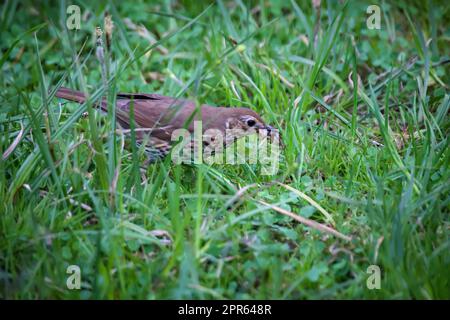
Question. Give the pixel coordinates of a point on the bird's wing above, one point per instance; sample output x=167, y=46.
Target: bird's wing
x=161, y=117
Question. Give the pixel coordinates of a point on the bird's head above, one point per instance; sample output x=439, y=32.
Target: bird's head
x=245, y=121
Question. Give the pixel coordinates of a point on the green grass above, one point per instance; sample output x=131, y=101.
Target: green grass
x=371, y=162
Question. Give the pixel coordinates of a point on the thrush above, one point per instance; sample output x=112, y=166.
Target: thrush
x=157, y=117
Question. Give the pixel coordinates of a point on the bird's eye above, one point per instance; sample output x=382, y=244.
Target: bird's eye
x=251, y=123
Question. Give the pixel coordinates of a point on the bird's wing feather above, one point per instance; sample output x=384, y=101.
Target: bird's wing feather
x=161, y=116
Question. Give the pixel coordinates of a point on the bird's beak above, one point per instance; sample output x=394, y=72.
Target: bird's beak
x=269, y=131
x=272, y=133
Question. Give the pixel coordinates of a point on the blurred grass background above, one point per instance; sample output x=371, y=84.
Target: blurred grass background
x=375, y=158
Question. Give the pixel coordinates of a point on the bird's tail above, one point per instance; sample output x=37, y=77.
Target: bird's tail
x=71, y=95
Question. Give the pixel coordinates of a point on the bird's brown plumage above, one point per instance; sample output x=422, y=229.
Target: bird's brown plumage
x=162, y=115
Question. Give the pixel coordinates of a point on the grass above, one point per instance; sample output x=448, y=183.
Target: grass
x=369, y=160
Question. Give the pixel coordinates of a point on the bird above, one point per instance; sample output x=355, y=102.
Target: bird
x=157, y=117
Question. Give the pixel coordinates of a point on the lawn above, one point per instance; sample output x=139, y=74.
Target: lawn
x=358, y=207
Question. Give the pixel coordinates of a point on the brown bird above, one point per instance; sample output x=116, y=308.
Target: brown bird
x=157, y=117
